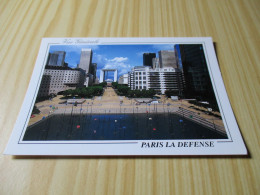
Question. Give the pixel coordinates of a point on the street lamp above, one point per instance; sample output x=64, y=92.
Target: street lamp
x=210, y=111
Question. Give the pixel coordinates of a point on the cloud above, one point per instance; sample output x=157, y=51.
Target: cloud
x=119, y=63
x=119, y=59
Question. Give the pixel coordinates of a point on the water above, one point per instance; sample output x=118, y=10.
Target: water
x=118, y=127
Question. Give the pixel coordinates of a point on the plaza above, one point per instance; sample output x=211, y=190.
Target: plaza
x=112, y=104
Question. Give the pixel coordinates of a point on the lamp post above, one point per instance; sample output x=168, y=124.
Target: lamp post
x=210, y=111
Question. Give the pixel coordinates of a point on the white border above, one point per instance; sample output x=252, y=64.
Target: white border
x=232, y=146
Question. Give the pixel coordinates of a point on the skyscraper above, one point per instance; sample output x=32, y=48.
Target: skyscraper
x=148, y=59
x=197, y=79
x=168, y=59
x=156, y=63
x=85, y=59
x=56, y=58
x=93, y=71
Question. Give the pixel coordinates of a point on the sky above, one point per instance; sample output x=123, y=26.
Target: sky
x=120, y=57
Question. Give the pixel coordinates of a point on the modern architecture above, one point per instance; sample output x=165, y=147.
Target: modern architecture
x=156, y=63
x=148, y=58
x=197, y=79
x=168, y=59
x=123, y=79
x=56, y=79
x=85, y=60
x=56, y=58
x=103, y=73
x=159, y=79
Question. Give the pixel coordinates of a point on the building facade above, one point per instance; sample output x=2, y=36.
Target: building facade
x=104, y=72
x=156, y=63
x=197, y=79
x=85, y=60
x=86, y=65
x=55, y=80
x=56, y=58
x=159, y=79
x=123, y=79
x=168, y=59
x=148, y=59
x=58, y=77
x=93, y=71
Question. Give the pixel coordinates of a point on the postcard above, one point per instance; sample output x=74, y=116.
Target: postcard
x=126, y=96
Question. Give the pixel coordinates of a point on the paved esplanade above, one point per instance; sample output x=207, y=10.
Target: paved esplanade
x=110, y=102
x=110, y=96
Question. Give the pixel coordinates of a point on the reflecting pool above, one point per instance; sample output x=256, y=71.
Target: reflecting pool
x=118, y=127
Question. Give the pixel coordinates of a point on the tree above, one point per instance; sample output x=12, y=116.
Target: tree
x=130, y=93
x=122, y=89
x=115, y=84
x=66, y=93
x=77, y=91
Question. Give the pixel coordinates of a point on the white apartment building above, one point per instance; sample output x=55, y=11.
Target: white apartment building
x=159, y=79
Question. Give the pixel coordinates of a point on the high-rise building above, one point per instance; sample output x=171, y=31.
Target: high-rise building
x=156, y=63
x=148, y=59
x=168, y=59
x=85, y=60
x=93, y=71
x=85, y=65
x=56, y=58
x=197, y=79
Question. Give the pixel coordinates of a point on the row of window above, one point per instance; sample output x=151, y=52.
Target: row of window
x=140, y=87
x=140, y=78
x=140, y=73
x=140, y=82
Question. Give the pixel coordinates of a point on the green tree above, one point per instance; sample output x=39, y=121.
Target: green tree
x=115, y=84
x=130, y=93
x=122, y=89
x=66, y=93
x=77, y=91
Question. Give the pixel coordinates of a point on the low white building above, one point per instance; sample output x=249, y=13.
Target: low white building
x=123, y=79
